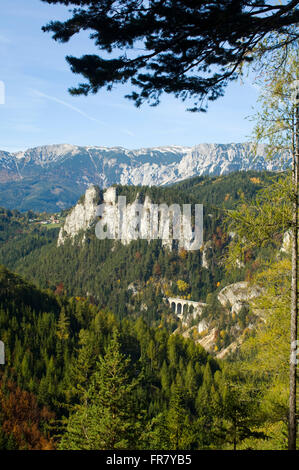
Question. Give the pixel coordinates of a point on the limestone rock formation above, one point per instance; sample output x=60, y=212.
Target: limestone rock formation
x=237, y=294
x=81, y=216
x=206, y=248
x=118, y=220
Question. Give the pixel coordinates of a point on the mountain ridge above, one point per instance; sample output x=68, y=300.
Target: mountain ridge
x=57, y=174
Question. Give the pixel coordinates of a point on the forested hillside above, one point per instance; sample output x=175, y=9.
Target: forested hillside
x=132, y=280
x=58, y=349
x=98, y=321
x=104, y=269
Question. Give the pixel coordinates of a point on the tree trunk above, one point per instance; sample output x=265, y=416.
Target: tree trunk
x=294, y=290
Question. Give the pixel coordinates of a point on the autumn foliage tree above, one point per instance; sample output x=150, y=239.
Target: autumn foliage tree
x=22, y=419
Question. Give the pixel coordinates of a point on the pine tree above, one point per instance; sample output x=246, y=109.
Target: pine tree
x=107, y=420
x=239, y=408
x=190, y=380
x=165, y=378
x=189, y=49
x=176, y=419
x=63, y=326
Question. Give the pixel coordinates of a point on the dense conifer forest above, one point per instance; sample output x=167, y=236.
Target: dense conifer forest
x=95, y=357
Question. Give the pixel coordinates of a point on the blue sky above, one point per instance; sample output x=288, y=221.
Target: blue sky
x=38, y=109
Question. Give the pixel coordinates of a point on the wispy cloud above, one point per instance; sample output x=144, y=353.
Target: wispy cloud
x=67, y=105
x=77, y=110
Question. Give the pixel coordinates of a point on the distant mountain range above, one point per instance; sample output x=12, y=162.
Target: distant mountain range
x=52, y=177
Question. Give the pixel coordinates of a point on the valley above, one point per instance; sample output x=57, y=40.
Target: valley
x=162, y=299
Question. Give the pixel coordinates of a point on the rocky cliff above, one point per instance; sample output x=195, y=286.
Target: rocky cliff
x=80, y=217
x=139, y=219
x=236, y=295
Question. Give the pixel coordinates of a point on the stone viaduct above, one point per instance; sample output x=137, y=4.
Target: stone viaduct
x=182, y=306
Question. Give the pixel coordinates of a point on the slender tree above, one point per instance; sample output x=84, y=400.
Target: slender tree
x=276, y=210
x=278, y=125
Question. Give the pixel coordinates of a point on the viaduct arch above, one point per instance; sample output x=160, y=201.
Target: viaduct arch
x=182, y=306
